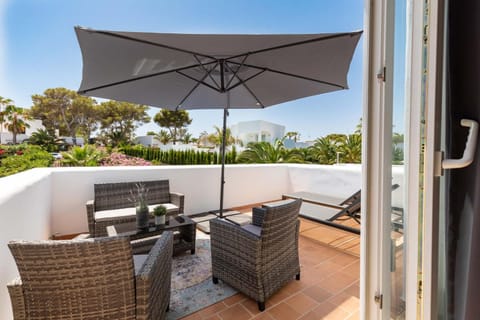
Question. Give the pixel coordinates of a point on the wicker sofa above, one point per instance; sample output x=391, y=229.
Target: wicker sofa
x=259, y=258
x=90, y=279
x=112, y=203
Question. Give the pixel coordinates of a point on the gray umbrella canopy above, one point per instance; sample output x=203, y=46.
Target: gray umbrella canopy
x=196, y=71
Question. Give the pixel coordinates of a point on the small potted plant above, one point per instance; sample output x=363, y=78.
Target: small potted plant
x=160, y=212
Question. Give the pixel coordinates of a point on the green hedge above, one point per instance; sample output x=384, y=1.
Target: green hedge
x=178, y=157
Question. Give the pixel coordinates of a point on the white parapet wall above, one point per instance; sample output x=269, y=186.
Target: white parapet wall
x=39, y=203
x=245, y=184
x=337, y=180
x=25, y=214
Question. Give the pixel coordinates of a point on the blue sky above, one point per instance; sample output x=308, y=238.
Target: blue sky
x=39, y=49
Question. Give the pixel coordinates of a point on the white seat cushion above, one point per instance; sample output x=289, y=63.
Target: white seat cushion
x=106, y=215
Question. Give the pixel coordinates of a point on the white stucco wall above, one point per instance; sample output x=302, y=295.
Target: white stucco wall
x=337, y=180
x=201, y=185
x=25, y=206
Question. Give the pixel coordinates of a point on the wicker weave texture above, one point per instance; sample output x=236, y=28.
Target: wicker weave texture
x=109, y=196
x=153, y=281
x=87, y=279
x=118, y=195
x=258, y=266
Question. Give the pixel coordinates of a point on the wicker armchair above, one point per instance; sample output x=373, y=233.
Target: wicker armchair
x=260, y=258
x=90, y=279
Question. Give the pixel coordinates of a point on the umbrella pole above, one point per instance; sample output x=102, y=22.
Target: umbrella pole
x=224, y=137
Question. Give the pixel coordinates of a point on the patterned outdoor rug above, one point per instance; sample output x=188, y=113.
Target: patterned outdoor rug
x=192, y=286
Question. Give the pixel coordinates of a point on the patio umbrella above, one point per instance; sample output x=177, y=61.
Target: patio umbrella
x=218, y=71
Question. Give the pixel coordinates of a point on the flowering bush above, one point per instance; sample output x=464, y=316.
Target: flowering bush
x=6, y=151
x=120, y=159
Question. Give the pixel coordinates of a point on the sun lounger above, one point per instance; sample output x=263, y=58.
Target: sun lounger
x=330, y=210
x=323, y=200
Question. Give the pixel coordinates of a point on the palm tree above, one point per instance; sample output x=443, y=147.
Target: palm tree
x=295, y=136
x=86, y=156
x=324, y=150
x=265, y=152
x=47, y=141
x=4, y=102
x=187, y=138
x=15, y=120
x=163, y=136
x=397, y=138
x=358, y=127
x=217, y=137
x=351, y=148
x=203, y=139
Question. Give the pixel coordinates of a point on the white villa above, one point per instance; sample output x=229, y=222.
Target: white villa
x=257, y=131
x=7, y=137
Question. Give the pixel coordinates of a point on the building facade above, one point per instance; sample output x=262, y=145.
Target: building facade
x=257, y=131
x=6, y=137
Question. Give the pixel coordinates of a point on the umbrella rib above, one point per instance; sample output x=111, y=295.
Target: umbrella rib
x=292, y=75
x=198, y=81
x=207, y=71
x=333, y=36
x=196, y=86
x=253, y=95
x=140, y=78
x=242, y=81
x=250, y=91
x=121, y=36
x=235, y=72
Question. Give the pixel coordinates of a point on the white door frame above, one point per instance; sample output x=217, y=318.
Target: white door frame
x=433, y=118
x=422, y=103
x=376, y=162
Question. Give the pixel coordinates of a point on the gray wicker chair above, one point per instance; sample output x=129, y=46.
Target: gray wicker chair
x=90, y=279
x=260, y=258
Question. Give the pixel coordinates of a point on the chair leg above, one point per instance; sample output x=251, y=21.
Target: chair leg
x=215, y=280
x=168, y=307
x=297, y=277
x=261, y=306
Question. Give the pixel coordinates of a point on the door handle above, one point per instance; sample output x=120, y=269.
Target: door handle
x=470, y=147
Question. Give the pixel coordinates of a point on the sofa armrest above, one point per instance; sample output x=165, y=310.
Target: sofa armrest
x=91, y=216
x=258, y=215
x=178, y=199
x=15, y=289
x=153, y=280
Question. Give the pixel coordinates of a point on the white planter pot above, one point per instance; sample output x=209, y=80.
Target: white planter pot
x=159, y=220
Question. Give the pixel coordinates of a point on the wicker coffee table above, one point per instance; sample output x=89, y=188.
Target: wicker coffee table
x=142, y=240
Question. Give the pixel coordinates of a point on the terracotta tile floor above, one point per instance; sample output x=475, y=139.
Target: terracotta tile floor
x=328, y=288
